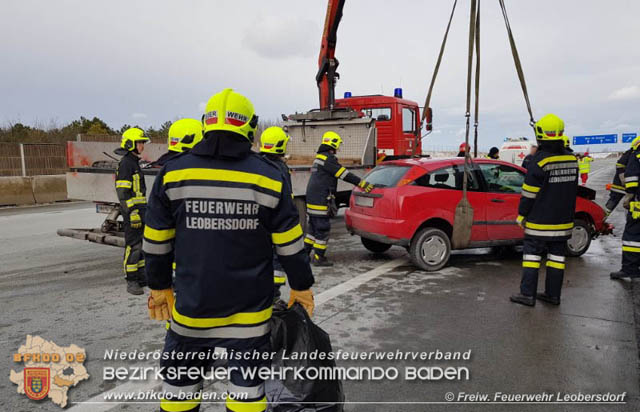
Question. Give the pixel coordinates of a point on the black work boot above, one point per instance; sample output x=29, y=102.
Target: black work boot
x=618, y=275
x=134, y=288
x=523, y=299
x=549, y=299
x=320, y=261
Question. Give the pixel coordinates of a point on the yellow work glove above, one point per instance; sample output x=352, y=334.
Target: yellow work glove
x=635, y=210
x=521, y=221
x=136, y=221
x=160, y=304
x=303, y=297
x=364, y=185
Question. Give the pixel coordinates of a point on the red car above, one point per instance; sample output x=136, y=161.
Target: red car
x=414, y=204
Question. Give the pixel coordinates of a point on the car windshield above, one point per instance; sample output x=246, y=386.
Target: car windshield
x=386, y=176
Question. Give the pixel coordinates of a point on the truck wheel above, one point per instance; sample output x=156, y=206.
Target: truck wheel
x=430, y=249
x=375, y=247
x=580, y=239
x=301, y=205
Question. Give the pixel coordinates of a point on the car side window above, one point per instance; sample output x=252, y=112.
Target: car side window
x=502, y=178
x=450, y=177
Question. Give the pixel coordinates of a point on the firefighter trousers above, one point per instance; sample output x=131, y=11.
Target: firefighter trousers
x=133, y=264
x=631, y=247
x=532, y=254
x=317, y=236
x=244, y=359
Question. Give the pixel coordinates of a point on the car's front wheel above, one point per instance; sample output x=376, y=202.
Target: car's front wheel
x=430, y=249
x=580, y=239
x=374, y=246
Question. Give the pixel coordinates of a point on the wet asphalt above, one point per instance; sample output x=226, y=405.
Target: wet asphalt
x=71, y=291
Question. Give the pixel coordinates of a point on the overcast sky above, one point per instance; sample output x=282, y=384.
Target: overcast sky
x=131, y=61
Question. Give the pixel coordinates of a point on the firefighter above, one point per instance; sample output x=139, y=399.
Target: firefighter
x=184, y=134
x=631, y=235
x=584, y=164
x=131, y=191
x=617, y=190
x=218, y=211
x=321, y=190
x=567, y=145
x=273, y=146
x=546, y=212
x=527, y=159
x=463, y=149
x=494, y=153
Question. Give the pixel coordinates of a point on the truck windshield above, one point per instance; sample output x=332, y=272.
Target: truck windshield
x=386, y=176
x=380, y=114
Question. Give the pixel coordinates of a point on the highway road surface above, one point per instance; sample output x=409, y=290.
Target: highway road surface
x=73, y=292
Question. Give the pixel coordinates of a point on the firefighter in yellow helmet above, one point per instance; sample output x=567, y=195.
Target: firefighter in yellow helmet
x=183, y=135
x=321, y=189
x=273, y=147
x=131, y=191
x=218, y=212
x=631, y=235
x=546, y=212
x=616, y=187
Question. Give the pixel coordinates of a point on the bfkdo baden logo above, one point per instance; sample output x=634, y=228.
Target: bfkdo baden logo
x=49, y=370
x=36, y=382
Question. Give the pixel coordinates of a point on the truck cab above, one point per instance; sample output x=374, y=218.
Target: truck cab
x=397, y=122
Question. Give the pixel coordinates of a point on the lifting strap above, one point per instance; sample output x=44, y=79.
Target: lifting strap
x=472, y=38
x=477, y=81
x=516, y=60
x=435, y=71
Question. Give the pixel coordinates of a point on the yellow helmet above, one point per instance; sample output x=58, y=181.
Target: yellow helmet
x=565, y=139
x=231, y=111
x=635, y=143
x=131, y=136
x=274, y=140
x=549, y=127
x=332, y=139
x=184, y=134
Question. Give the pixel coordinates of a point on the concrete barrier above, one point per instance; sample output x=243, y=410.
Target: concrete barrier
x=49, y=188
x=16, y=191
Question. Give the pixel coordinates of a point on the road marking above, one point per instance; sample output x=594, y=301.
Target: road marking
x=359, y=280
x=98, y=403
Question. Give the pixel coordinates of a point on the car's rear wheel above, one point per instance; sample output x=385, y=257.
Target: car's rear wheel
x=430, y=249
x=580, y=239
x=374, y=246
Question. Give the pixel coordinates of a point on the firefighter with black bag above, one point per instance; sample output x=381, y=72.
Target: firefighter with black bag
x=546, y=212
x=218, y=211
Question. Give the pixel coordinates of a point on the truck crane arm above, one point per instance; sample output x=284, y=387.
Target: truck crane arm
x=327, y=62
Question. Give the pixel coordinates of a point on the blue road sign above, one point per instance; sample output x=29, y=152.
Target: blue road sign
x=628, y=137
x=595, y=139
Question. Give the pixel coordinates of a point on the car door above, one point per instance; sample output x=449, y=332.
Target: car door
x=449, y=181
x=503, y=184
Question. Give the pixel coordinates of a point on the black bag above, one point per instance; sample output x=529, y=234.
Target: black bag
x=292, y=330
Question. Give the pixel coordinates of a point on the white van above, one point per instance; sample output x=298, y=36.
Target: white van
x=515, y=149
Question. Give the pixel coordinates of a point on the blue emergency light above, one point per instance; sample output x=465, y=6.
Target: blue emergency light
x=347, y=95
x=397, y=92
